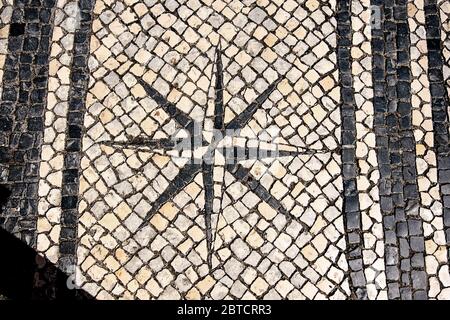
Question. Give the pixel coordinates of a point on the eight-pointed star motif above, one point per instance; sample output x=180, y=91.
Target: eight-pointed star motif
x=204, y=163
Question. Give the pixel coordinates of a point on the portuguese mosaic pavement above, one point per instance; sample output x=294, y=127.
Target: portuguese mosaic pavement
x=225, y=149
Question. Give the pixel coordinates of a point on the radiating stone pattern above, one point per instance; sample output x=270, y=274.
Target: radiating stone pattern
x=5, y=18
x=431, y=205
x=257, y=251
x=48, y=227
x=373, y=252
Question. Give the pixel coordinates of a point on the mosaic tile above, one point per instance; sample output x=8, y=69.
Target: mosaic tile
x=202, y=149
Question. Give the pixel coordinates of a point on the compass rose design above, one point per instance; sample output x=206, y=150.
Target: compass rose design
x=204, y=162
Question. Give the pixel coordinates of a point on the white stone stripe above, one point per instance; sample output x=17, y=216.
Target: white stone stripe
x=373, y=243
x=5, y=18
x=48, y=227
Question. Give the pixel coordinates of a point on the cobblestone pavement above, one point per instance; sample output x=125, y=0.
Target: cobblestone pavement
x=226, y=149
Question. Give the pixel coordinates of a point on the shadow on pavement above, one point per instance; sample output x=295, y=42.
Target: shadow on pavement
x=25, y=275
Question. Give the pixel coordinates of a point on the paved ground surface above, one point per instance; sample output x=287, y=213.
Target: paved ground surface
x=337, y=181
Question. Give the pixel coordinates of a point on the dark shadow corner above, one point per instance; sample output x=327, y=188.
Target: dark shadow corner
x=26, y=275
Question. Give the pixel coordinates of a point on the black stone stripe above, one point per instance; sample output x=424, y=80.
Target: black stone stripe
x=22, y=108
x=439, y=105
x=351, y=210
x=75, y=118
x=399, y=196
